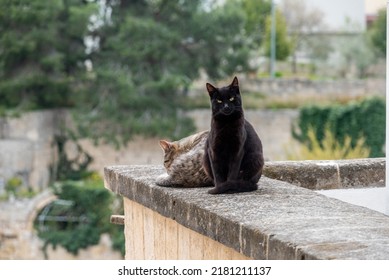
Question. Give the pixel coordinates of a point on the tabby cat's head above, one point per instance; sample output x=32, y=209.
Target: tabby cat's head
x=225, y=101
x=170, y=150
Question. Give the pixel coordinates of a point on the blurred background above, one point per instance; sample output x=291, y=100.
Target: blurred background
x=90, y=83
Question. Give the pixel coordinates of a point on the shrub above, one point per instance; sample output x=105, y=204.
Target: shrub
x=329, y=148
x=83, y=219
x=13, y=185
x=364, y=119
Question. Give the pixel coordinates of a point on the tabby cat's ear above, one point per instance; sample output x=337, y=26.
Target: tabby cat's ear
x=235, y=82
x=165, y=145
x=211, y=89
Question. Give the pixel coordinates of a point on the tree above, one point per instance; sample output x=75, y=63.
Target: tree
x=148, y=53
x=41, y=51
x=141, y=56
x=355, y=52
x=283, y=45
x=256, y=12
x=301, y=22
x=378, y=33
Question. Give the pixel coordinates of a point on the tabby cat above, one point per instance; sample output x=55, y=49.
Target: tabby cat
x=233, y=151
x=183, y=161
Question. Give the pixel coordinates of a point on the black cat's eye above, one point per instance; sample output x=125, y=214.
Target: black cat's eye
x=232, y=99
x=218, y=101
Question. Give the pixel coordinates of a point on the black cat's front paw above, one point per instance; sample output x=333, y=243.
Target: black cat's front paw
x=215, y=190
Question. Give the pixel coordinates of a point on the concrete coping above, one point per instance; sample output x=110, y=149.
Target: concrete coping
x=329, y=174
x=278, y=221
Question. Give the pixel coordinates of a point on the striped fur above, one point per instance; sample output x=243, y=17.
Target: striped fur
x=183, y=161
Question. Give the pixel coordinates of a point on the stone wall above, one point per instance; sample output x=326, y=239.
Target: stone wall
x=282, y=87
x=156, y=237
x=277, y=221
x=27, y=147
x=272, y=126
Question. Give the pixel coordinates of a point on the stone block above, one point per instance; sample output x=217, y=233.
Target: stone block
x=362, y=173
x=331, y=174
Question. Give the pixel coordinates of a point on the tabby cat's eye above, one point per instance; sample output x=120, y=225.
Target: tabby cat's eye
x=218, y=101
x=232, y=99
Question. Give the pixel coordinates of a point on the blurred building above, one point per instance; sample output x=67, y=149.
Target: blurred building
x=329, y=36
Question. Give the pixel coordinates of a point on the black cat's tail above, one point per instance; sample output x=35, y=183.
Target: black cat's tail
x=234, y=187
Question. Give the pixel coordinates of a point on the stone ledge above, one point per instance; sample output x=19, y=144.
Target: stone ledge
x=278, y=221
x=333, y=174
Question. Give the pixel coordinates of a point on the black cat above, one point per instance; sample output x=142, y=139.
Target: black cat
x=233, y=151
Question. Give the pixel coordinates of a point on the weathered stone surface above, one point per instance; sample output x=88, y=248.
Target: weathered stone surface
x=27, y=149
x=362, y=172
x=278, y=221
x=334, y=174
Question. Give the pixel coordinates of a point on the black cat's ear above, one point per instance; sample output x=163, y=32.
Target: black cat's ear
x=235, y=82
x=211, y=89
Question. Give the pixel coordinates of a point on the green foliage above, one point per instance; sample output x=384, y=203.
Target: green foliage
x=363, y=119
x=118, y=239
x=120, y=110
x=13, y=184
x=278, y=74
x=141, y=57
x=66, y=168
x=92, y=206
x=329, y=148
x=147, y=55
x=256, y=13
x=283, y=45
x=41, y=51
x=378, y=33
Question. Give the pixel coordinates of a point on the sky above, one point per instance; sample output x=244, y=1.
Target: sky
x=337, y=11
